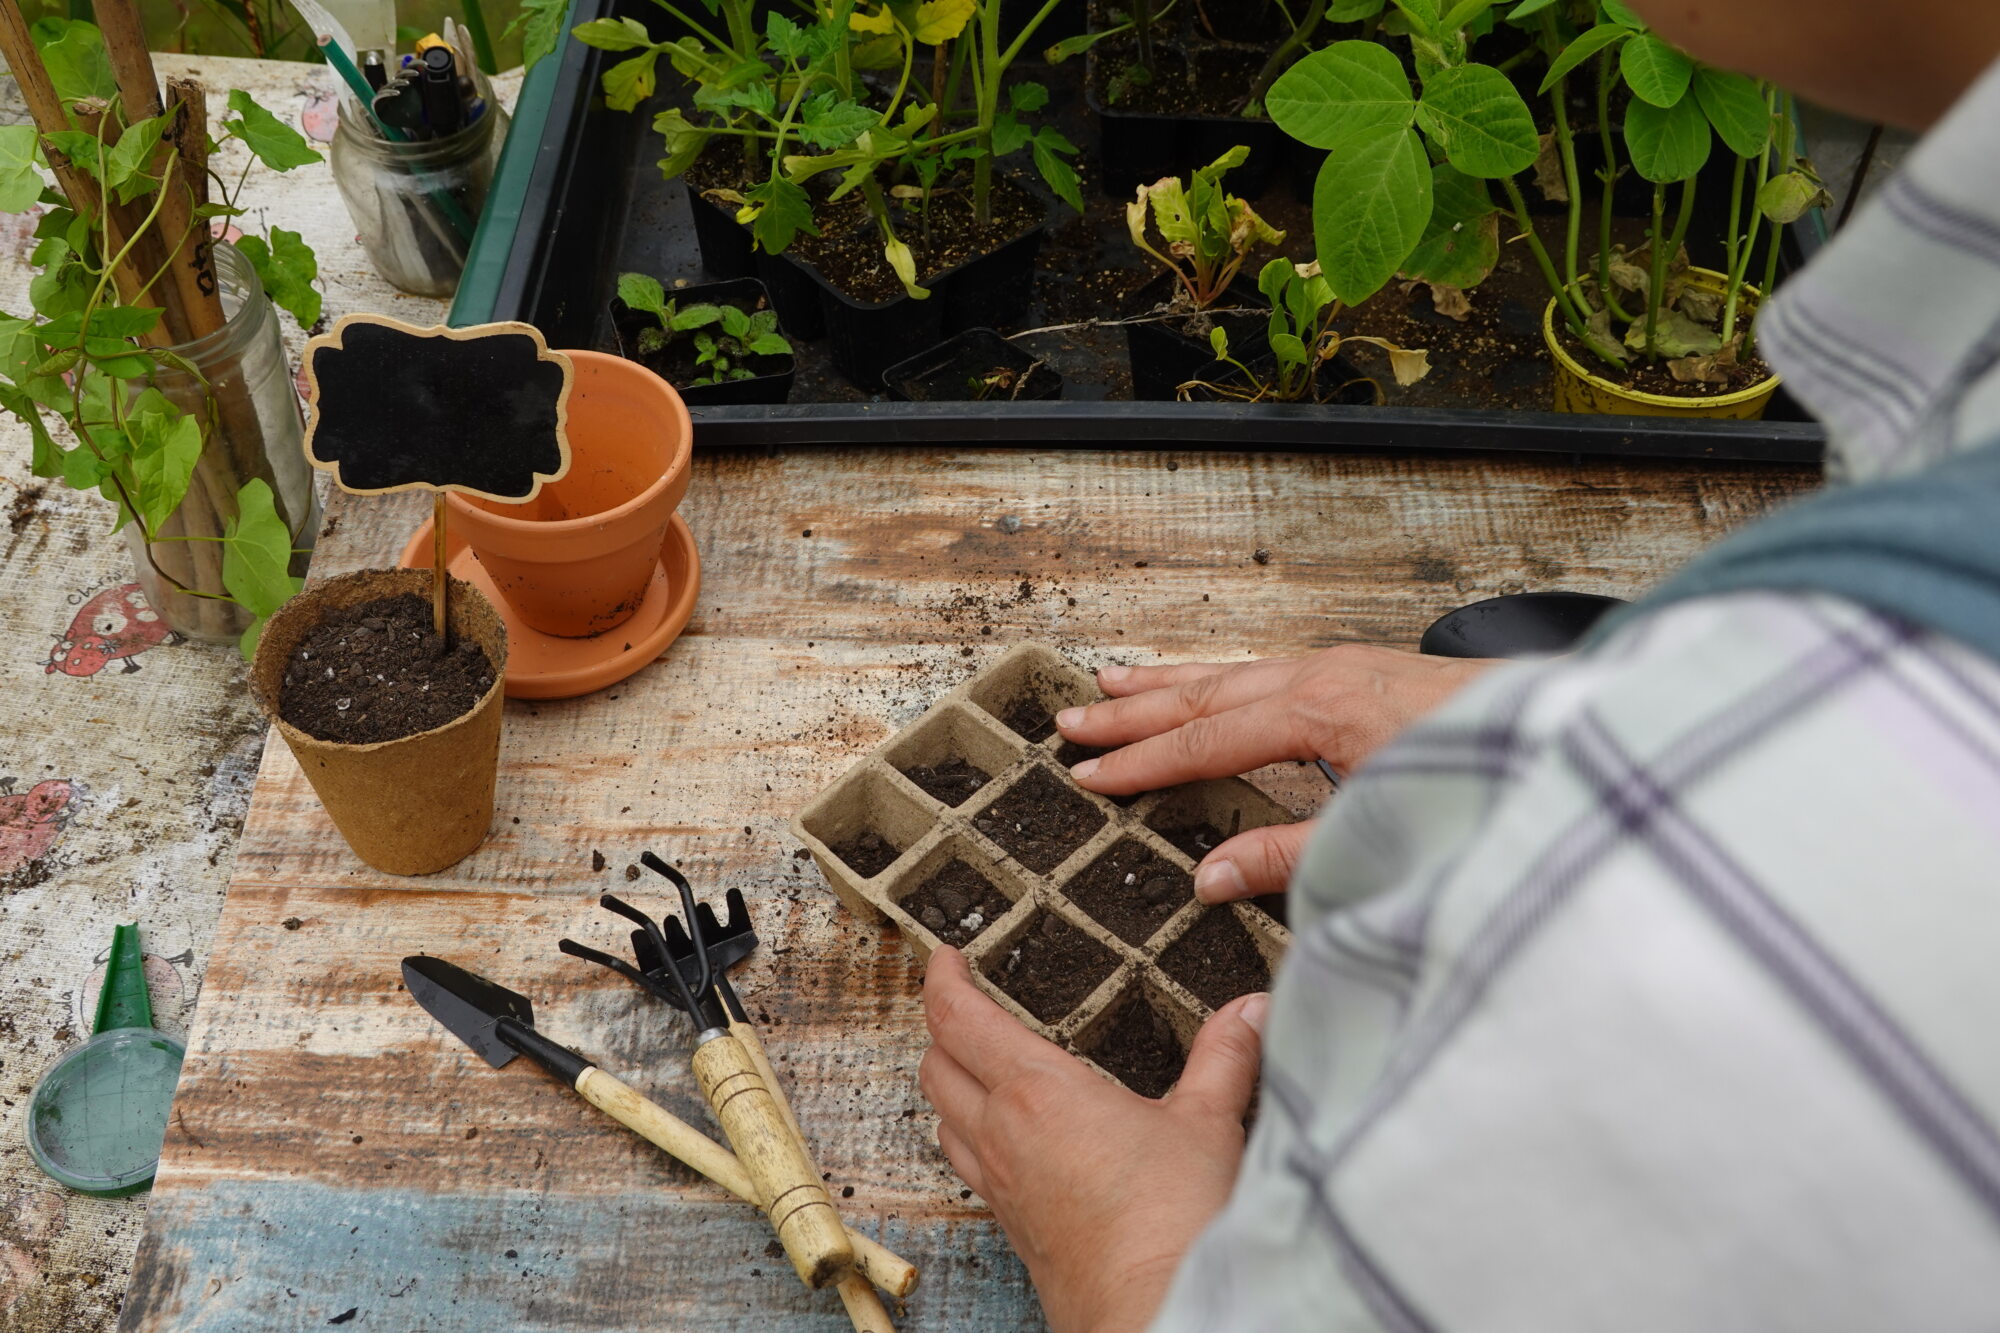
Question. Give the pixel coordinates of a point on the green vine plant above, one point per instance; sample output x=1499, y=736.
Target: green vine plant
x=76, y=371
x=1405, y=185
x=1206, y=233
x=1303, y=342
x=739, y=334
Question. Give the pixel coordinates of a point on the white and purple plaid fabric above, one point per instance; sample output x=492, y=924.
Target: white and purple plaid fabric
x=1658, y=988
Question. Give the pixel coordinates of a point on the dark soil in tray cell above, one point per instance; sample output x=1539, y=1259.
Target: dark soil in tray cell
x=1069, y=754
x=868, y=852
x=1052, y=967
x=1131, y=890
x=376, y=672
x=1137, y=1046
x=956, y=904
x=1195, y=840
x=953, y=782
x=852, y=259
x=1039, y=821
x=1273, y=905
x=1027, y=718
x=1217, y=959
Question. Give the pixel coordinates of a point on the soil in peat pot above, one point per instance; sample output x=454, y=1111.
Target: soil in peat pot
x=1217, y=959
x=1029, y=718
x=956, y=904
x=952, y=781
x=868, y=852
x=1051, y=967
x=1039, y=821
x=375, y=672
x=1194, y=839
x=1137, y=1046
x=1131, y=890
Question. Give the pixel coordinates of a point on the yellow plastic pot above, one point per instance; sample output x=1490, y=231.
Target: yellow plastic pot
x=1578, y=390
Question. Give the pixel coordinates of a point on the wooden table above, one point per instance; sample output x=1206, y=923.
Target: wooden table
x=333, y=1150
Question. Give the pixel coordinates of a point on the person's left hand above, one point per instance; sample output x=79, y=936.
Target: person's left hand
x=1101, y=1191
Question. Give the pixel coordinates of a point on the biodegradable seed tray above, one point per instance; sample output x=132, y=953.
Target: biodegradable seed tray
x=1071, y=907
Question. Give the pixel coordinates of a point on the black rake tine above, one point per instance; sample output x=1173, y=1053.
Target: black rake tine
x=709, y=925
x=618, y=965
x=705, y=976
x=652, y=928
x=739, y=914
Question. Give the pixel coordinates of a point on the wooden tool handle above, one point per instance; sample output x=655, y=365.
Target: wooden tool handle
x=689, y=1146
x=787, y=1185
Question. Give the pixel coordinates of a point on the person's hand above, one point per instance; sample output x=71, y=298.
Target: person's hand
x=1174, y=724
x=1101, y=1191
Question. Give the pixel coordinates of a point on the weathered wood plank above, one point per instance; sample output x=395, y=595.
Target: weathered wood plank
x=332, y=1148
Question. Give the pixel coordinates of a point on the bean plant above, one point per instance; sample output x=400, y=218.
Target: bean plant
x=76, y=368
x=1303, y=341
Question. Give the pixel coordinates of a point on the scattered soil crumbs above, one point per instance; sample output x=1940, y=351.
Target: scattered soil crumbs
x=22, y=509
x=1039, y=821
x=1138, y=1048
x=956, y=904
x=1131, y=890
x=954, y=781
x=1217, y=959
x=375, y=672
x=1030, y=718
x=1052, y=967
x=1194, y=840
x=868, y=852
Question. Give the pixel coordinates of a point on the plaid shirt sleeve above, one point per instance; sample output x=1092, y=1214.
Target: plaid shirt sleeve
x=1652, y=989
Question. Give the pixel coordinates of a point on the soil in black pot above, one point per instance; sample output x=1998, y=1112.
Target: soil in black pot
x=1654, y=377
x=1131, y=890
x=375, y=672
x=675, y=362
x=868, y=852
x=956, y=904
x=1217, y=959
x=976, y=372
x=1039, y=821
x=953, y=781
x=852, y=259
x=1052, y=967
x=1137, y=1046
x=1215, y=84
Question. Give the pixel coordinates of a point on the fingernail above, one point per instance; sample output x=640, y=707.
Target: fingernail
x=1111, y=675
x=1069, y=717
x=1255, y=1010
x=1084, y=769
x=1219, y=881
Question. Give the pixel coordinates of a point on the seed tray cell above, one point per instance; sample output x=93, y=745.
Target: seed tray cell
x=1000, y=721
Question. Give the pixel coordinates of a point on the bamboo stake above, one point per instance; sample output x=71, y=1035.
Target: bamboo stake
x=440, y=580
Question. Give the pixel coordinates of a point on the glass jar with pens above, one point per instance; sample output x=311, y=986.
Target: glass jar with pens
x=415, y=160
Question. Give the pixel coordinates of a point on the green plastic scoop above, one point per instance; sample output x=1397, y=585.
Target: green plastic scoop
x=97, y=1120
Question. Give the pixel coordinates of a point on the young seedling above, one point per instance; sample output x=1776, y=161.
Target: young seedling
x=1207, y=232
x=1303, y=341
x=740, y=334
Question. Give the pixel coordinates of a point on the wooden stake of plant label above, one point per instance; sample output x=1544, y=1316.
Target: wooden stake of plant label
x=479, y=410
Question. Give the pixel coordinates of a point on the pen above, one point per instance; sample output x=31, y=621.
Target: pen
x=373, y=70
x=442, y=108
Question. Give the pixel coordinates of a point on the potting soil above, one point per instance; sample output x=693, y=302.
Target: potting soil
x=376, y=671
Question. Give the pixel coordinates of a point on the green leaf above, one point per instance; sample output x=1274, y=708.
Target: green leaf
x=1051, y=152
x=1009, y=134
x=1527, y=7
x=1582, y=49
x=697, y=316
x=1027, y=97
x=74, y=55
x=1339, y=92
x=1480, y=121
x=613, y=34
x=1077, y=45
x=1786, y=198
x=166, y=444
x=734, y=322
x=630, y=82
x=785, y=37
x=287, y=267
x=779, y=211
x=641, y=292
x=1618, y=12
x=1370, y=206
x=1674, y=334
x=20, y=155
x=540, y=26
x=1463, y=13
x=1669, y=144
x=1424, y=15
x=78, y=147
x=1734, y=105
x=1654, y=71
x=1353, y=11
x=276, y=144
x=132, y=157
x=831, y=121
x=1461, y=243
x=684, y=142
x=769, y=344
x=47, y=457
x=257, y=552
x=82, y=470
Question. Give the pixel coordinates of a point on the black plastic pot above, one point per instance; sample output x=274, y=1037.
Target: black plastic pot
x=726, y=249
x=950, y=372
x=771, y=384
x=1340, y=383
x=1138, y=147
x=1165, y=357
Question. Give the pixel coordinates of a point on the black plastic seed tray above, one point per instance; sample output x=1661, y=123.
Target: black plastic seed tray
x=587, y=202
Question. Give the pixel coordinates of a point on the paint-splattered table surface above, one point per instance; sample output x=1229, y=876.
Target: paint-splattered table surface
x=332, y=1150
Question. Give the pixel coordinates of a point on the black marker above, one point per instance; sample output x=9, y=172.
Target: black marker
x=373, y=70
x=440, y=90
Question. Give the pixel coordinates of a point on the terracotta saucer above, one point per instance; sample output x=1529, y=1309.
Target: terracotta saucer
x=542, y=666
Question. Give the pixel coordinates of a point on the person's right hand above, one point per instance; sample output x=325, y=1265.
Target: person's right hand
x=1174, y=724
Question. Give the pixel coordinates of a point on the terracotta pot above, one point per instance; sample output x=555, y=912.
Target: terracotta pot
x=410, y=806
x=575, y=560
